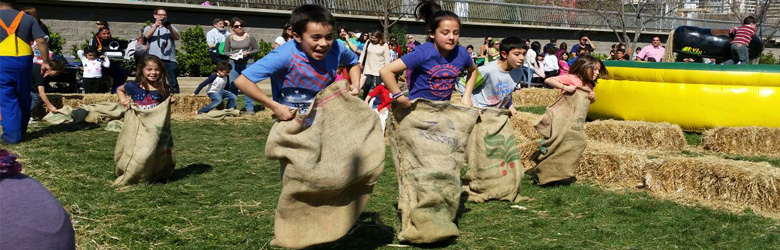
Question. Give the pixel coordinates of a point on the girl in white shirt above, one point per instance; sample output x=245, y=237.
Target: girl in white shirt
x=92, y=78
x=551, y=63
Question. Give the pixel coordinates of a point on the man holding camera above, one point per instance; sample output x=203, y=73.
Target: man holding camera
x=161, y=37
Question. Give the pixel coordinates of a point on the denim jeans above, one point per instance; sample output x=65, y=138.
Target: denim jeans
x=35, y=100
x=739, y=53
x=234, y=73
x=216, y=99
x=173, y=70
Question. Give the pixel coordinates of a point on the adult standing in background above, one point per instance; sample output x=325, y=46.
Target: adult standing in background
x=585, y=42
x=101, y=42
x=653, y=52
x=530, y=61
x=375, y=55
x=286, y=36
x=161, y=37
x=214, y=38
x=18, y=31
x=241, y=47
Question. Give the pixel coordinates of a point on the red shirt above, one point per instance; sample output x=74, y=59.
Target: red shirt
x=384, y=96
x=743, y=35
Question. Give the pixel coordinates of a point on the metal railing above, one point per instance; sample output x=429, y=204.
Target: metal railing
x=485, y=12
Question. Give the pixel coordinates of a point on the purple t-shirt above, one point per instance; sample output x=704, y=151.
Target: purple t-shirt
x=434, y=76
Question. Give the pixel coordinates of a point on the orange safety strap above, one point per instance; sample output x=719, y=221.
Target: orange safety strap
x=12, y=30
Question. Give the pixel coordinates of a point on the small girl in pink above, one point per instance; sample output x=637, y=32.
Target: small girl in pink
x=563, y=65
x=584, y=73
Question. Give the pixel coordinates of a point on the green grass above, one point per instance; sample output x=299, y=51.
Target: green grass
x=693, y=138
x=539, y=110
x=772, y=161
x=224, y=192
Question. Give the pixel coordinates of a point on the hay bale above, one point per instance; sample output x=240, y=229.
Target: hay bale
x=612, y=165
x=711, y=181
x=751, y=141
x=638, y=134
x=523, y=124
x=184, y=103
x=535, y=97
x=456, y=97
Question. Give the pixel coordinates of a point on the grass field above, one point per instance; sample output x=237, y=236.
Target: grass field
x=224, y=192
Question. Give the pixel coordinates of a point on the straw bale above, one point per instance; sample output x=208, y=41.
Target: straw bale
x=714, y=182
x=184, y=103
x=523, y=124
x=455, y=97
x=750, y=141
x=612, y=165
x=527, y=150
x=535, y=97
x=638, y=134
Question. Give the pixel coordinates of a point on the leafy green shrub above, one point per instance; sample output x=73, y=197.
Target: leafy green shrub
x=56, y=41
x=602, y=57
x=195, y=60
x=399, y=32
x=265, y=47
x=767, y=58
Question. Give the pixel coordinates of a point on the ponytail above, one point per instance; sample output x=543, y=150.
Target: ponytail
x=431, y=12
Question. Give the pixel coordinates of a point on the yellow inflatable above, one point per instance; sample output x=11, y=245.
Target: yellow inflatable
x=693, y=95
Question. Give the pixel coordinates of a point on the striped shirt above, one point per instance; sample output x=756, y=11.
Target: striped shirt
x=743, y=35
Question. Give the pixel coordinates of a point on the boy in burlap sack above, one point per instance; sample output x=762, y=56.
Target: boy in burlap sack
x=562, y=125
x=428, y=136
x=494, y=170
x=330, y=147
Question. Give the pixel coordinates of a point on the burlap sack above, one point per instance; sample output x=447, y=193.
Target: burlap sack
x=144, y=148
x=494, y=168
x=114, y=126
x=428, y=142
x=218, y=114
x=563, y=139
x=331, y=158
x=62, y=115
x=102, y=112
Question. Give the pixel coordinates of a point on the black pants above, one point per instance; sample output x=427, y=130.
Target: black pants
x=215, y=58
x=550, y=73
x=92, y=85
x=371, y=83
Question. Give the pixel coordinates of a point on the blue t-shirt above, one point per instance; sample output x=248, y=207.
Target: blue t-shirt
x=145, y=99
x=295, y=77
x=434, y=76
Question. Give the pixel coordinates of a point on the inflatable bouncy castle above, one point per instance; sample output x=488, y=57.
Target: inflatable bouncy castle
x=693, y=95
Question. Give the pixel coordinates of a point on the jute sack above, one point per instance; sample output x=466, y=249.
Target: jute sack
x=62, y=115
x=144, y=148
x=331, y=158
x=218, y=114
x=104, y=111
x=494, y=168
x=428, y=142
x=563, y=139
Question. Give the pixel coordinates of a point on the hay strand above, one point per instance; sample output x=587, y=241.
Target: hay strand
x=638, y=134
x=523, y=124
x=749, y=141
x=611, y=165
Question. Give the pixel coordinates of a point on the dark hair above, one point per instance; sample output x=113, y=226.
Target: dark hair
x=103, y=22
x=56, y=65
x=285, y=36
x=90, y=49
x=34, y=13
x=487, y=40
x=583, y=35
x=552, y=51
x=224, y=66
x=217, y=20
x=553, y=40
x=536, y=46
x=470, y=47
x=432, y=14
x=749, y=20
x=583, y=68
x=510, y=43
x=564, y=46
x=309, y=13
x=158, y=9
x=163, y=89
x=236, y=19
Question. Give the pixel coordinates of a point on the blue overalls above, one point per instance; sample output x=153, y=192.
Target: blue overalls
x=15, y=72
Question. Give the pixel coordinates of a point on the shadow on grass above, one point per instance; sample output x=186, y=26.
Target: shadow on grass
x=192, y=169
x=59, y=128
x=368, y=233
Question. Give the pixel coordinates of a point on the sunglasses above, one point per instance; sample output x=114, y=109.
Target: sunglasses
x=238, y=26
